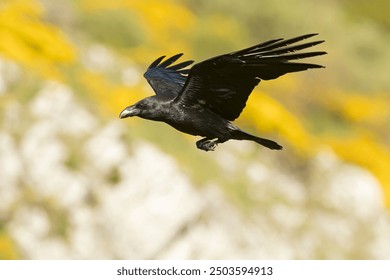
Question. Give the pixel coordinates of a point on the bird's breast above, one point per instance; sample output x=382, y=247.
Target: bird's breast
x=198, y=121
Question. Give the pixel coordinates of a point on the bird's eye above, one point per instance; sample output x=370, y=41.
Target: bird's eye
x=141, y=106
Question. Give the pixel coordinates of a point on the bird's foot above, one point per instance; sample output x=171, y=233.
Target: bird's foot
x=207, y=145
x=210, y=146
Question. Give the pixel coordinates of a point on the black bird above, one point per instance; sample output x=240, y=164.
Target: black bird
x=204, y=99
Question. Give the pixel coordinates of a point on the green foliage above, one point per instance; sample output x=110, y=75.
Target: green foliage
x=116, y=28
x=375, y=11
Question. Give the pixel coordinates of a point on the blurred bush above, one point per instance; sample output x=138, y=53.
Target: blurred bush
x=99, y=50
x=28, y=40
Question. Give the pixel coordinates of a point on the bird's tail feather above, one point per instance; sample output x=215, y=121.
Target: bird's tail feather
x=268, y=143
x=241, y=135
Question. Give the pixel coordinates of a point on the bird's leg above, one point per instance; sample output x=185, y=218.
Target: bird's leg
x=207, y=144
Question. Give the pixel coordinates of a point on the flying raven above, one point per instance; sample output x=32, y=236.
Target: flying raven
x=204, y=99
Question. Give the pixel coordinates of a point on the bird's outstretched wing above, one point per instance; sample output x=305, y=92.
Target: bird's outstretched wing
x=223, y=83
x=166, y=79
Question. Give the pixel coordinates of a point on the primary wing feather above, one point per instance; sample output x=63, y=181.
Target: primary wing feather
x=167, y=79
x=224, y=83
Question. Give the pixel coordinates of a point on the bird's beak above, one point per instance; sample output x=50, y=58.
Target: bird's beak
x=128, y=112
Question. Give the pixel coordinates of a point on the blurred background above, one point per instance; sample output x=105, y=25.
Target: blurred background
x=78, y=183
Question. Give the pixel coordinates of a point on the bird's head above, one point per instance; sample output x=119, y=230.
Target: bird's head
x=145, y=108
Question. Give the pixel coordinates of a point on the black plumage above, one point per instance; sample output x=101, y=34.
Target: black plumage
x=204, y=99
